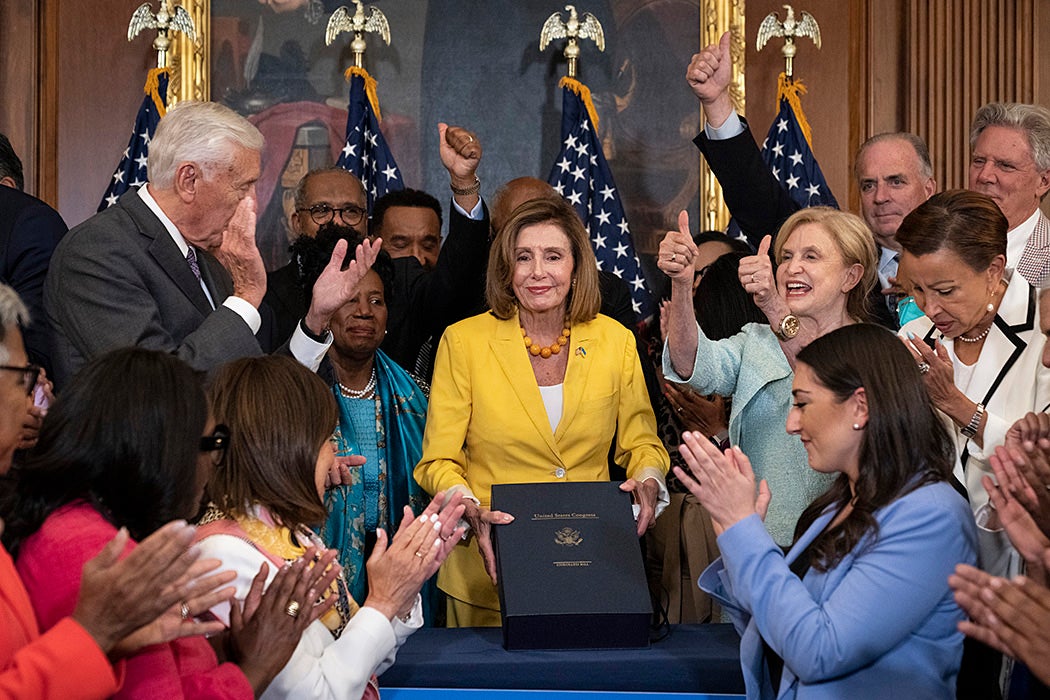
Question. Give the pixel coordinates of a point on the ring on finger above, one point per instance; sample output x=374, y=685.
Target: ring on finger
x=184, y=609
x=419, y=554
x=293, y=609
x=674, y=256
x=924, y=367
x=753, y=278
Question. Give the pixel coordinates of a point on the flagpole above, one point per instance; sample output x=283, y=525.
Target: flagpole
x=365, y=151
x=582, y=175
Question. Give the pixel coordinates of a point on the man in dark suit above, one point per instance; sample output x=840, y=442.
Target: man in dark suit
x=173, y=265
x=421, y=302
x=893, y=172
x=29, y=232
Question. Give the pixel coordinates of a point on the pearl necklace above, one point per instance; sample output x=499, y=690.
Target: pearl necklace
x=980, y=336
x=977, y=338
x=369, y=389
x=552, y=349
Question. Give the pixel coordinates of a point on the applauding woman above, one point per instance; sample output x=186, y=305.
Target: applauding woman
x=267, y=493
x=861, y=604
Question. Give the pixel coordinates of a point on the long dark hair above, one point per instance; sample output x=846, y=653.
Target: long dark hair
x=124, y=436
x=279, y=414
x=905, y=445
x=721, y=303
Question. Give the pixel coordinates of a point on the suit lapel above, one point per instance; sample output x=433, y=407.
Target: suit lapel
x=507, y=348
x=577, y=372
x=164, y=251
x=1008, y=338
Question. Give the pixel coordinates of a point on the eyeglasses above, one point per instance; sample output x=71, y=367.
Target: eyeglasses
x=218, y=441
x=321, y=214
x=30, y=374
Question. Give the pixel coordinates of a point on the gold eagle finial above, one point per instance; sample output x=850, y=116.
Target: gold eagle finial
x=589, y=28
x=360, y=22
x=789, y=29
x=167, y=20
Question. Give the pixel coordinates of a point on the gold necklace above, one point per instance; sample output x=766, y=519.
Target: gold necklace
x=552, y=349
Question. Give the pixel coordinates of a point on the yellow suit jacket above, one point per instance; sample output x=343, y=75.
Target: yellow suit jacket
x=487, y=424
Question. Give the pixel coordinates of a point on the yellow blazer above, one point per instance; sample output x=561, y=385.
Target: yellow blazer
x=487, y=424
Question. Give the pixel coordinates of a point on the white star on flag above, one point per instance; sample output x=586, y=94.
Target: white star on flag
x=582, y=160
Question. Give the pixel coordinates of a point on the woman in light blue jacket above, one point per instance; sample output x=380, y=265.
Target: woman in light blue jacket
x=860, y=607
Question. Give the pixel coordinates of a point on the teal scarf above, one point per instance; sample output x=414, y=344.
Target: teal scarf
x=401, y=414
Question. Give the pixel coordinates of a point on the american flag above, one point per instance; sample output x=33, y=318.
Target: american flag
x=365, y=152
x=787, y=151
x=581, y=175
x=131, y=171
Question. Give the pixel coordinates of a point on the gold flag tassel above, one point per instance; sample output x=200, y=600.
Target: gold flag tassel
x=152, y=89
x=585, y=95
x=370, y=88
x=792, y=91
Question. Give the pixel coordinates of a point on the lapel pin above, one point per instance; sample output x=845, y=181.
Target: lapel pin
x=580, y=352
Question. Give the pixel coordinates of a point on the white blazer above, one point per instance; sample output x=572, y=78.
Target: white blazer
x=1009, y=379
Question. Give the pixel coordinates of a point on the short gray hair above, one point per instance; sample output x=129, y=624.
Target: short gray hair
x=1033, y=120
x=13, y=313
x=200, y=132
x=922, y=151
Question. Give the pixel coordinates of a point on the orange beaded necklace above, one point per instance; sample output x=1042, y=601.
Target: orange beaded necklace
x=552, y=349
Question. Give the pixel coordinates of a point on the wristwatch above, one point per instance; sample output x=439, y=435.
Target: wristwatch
x=788, y=328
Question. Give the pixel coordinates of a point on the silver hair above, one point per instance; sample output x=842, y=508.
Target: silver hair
x=922, y=151
x=13, y=313
x=199, y=132
x=1033, y=120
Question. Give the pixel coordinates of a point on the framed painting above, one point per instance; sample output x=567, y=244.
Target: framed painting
x=473, y=63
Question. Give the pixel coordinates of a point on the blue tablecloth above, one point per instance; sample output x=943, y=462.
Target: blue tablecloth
x=691, y=659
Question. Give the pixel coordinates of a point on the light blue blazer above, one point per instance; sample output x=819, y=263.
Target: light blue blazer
x=881, y=623
x=751, y=367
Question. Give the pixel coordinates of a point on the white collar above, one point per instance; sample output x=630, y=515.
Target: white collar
x=169, y=226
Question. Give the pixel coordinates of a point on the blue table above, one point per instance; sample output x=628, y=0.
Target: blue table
x=695, y=661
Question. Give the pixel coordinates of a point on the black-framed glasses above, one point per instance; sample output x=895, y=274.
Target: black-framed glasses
x=218, y=441
x=321, y=214
x=30, y=374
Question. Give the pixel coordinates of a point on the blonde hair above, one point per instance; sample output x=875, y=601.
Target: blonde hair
x=855, y=242
x=584, y=296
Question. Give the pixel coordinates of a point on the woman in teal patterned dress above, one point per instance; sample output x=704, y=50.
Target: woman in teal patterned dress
x=382, y=413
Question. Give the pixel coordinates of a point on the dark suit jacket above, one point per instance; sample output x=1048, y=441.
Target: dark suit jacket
x=118, y=280
x=758, y=203
x=29, y=232
x=420, y=304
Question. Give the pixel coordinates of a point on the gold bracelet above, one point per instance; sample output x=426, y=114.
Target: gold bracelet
x=465, y=191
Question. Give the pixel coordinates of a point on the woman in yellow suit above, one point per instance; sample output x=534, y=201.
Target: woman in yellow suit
x=537, y=389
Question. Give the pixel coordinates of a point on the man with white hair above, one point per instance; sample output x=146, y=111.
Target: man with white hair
x=1010, y=162
x=173, y=265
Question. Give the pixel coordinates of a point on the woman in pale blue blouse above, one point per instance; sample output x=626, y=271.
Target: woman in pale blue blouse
x=825, y=269
x=860, y=606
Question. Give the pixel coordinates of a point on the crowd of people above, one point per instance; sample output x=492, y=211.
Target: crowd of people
x=224, y=482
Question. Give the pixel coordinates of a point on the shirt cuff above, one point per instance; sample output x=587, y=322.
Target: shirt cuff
x=467, y=494
x=475, y=214
x=731, y=127
x=663, y=498
x=308, y=352
x=245, y=310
